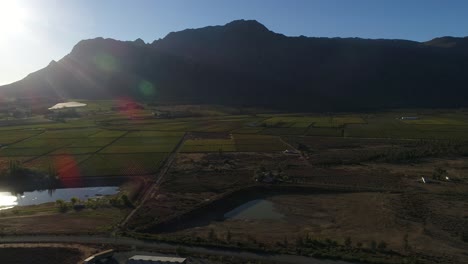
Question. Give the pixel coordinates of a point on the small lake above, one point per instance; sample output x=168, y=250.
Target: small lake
x=255, y=209
x=10, y=200
x=67, y=105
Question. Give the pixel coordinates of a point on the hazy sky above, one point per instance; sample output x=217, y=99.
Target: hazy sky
x=34, y=32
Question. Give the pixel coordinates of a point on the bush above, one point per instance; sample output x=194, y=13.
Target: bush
x=74, y=200
x=464, y=237
x=347, y=242
x=62, y=206
x=382, y=245
x=439, y=174
x=373, y=245
x=126, y=201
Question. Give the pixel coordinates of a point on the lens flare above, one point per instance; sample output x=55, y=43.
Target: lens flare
x=146, y=88
x=68, y=172
x=106, y=62
x=12, y=17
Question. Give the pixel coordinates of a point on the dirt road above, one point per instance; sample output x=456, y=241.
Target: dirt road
x=159, y=177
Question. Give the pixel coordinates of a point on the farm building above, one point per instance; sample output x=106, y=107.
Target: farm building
x=409, y=118
x=140, y=259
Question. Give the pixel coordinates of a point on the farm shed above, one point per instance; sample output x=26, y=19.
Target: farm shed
x=140, y=259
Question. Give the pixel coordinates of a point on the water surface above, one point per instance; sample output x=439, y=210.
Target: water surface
x=255, y=209
x=10, y=200
x=67, y=105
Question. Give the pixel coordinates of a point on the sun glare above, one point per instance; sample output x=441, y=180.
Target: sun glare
x=7, y=200
x=12, y=17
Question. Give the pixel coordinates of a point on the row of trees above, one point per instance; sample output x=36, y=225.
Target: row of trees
x=121, y=201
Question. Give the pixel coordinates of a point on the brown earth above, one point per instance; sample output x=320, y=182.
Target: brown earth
x=99, y=221
x=26, y=253
x=385, y=200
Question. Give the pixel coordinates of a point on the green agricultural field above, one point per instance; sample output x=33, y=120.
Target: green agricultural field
x=5, y=161
x=284, y=131
x=248, y=130
x=325, y=131
x=9, y=152
x=75, y=124
x=338, y=121
x=195, y=124
x=316, y=121
x=121, y=164
x=69, y=133
x=429, y=127
x=9, y=137
x=75, y=151
x=163, y=148
x=138, y=145
x=108, y=134
x=209, y=145
x=153, y=134
x=290, y=121
x=92, y=142
x=437, y=120
x=258, y=143
x=148, y=141
x=38, y=142
x=142, y=141
x=57, y=163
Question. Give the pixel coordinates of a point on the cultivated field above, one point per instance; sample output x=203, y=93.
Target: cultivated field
x=350, y=185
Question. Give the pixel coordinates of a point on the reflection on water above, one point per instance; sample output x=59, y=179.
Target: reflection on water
x=67, y=105
x=256, y=209
x=7, y=200
x=10, y=200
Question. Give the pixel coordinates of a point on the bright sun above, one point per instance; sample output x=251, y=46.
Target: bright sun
x=12, y=17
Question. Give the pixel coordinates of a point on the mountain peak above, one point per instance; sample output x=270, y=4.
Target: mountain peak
x=448, y=42
x=242, y=24
x=139, y=41
x=244, y=63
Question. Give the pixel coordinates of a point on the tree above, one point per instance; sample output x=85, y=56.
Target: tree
x=347, y=242
x=91, y=203
x=228, y=236
x=52, y=173
x=464, y=236
x=302, y=147
x=126, y=201
x=439, y=174
x=74, y=200
x=62, y=205
x=299, y=241
x=382, y=245
x=373, y=245
x=406, y=245
x=211, y=234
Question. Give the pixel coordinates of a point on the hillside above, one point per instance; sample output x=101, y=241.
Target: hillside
x=244, y=63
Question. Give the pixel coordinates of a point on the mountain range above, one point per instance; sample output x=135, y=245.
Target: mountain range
x=243, y=63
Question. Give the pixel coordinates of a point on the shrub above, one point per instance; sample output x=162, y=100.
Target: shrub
x=62, y=205
x=347, y=242
x=373, y=245
x=382, y=245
